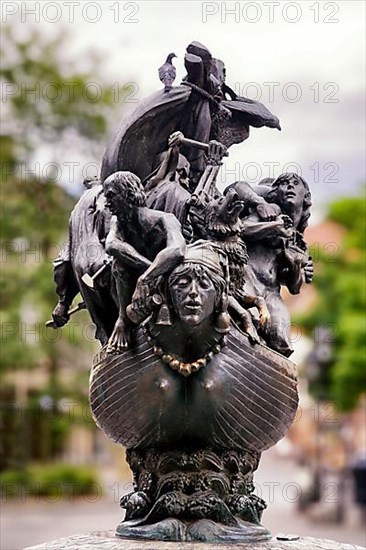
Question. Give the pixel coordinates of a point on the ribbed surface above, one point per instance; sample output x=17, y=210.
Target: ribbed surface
x=245, y=398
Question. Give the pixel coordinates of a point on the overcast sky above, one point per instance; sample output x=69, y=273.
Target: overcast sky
x=304, y=60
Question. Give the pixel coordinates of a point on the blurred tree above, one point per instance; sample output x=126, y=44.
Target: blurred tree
x=340, y=308
x=38, y=109
x=47, y=98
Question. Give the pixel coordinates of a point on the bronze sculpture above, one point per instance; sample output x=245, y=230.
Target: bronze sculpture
x=191, y=460
x=184, y=289
x=278, y=253
x=144, y=243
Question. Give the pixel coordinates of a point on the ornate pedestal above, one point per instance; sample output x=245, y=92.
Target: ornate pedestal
x=194, y=442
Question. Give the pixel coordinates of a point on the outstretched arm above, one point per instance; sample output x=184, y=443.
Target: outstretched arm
x=172, y=254
x=255, y=229
x=166, y=260
x=266, y=211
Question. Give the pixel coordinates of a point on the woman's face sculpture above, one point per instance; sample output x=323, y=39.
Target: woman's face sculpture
x=193, y=295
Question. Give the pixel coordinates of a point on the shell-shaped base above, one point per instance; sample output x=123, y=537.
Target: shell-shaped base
x=244, y=398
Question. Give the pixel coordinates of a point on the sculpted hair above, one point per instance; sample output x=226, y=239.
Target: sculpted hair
x=131, y=188
x=273, y=197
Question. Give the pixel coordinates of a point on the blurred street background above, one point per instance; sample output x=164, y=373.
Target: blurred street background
x=65, y=84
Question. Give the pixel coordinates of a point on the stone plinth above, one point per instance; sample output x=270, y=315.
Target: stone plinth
x=108, y=541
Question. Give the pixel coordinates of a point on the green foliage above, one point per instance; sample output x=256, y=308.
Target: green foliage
x=34, y=209
x=341, y=305
x=12, y=482
x=351, y=213
x=38, y=430
x=51, y=98
x=35, y=212
x=56, y=480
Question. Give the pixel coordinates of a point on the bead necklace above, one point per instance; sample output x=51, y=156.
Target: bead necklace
x=183, y=368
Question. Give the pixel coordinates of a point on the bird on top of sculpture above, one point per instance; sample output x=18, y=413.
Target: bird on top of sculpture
x=167, y=72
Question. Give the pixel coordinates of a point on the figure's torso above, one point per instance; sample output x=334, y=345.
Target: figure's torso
x=245, y=397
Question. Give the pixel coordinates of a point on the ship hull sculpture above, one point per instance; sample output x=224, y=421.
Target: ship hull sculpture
x=193, y=377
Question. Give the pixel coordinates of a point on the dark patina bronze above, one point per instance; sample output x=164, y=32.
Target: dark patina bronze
x=183, y=285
